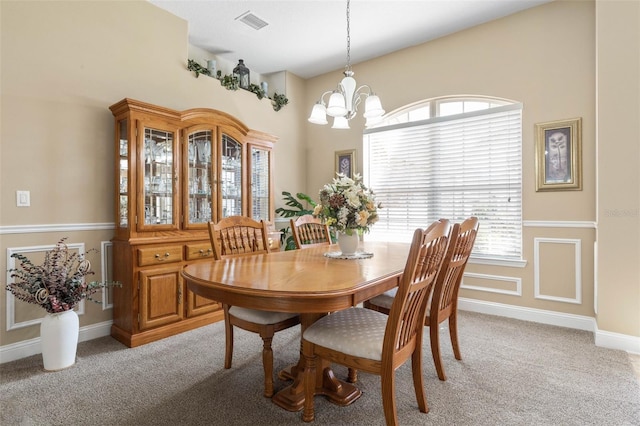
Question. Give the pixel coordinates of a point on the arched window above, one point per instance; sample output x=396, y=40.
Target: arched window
x=451, y=158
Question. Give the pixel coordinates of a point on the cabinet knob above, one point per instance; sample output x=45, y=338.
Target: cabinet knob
x=166, y=256
x=205, y=253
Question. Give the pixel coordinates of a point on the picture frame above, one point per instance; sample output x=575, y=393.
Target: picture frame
x=346, y=162
x=559, y=155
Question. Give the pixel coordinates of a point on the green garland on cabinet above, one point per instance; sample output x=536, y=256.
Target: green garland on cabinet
x=230, y=82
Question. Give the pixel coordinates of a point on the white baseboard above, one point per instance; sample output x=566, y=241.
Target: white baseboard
x=31, y=347
x=603, y=339
x=607, y=339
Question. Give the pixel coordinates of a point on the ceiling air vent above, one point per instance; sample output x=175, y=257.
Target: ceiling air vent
x=252, y=20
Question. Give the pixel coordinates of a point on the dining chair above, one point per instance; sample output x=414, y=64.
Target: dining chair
x=309, y=231
x=242, y=236
x=444, y=299
x=376, y=343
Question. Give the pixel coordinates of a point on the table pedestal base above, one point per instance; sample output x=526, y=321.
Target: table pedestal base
x=291, y=398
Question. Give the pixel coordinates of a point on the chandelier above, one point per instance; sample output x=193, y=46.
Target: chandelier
x=344, y=100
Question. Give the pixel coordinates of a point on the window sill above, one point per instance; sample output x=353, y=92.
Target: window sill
x=511, y=263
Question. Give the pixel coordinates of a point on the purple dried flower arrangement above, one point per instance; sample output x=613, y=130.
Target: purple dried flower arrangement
x=59, y=283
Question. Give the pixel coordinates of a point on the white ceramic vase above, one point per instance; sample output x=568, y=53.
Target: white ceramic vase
x=348, y=243
x=59, y=338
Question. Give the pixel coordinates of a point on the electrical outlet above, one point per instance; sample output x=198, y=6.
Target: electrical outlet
x=23, y=198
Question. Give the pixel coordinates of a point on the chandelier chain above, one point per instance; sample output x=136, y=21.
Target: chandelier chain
x=343, y=100
x=348, y=39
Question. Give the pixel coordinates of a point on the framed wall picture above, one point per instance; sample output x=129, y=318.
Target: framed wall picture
x=346, y=162
x=559, y=155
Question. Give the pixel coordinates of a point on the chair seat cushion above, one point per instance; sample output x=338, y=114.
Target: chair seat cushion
x=354, y=331
x=259, y=317
x=385, y=300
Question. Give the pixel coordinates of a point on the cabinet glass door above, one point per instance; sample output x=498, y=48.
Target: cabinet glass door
x=158, y=177
x=260, y=195
x=123, y=174
x=231, y=177
x=199, y=155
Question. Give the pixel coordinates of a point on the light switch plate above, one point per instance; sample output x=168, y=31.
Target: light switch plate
x=23, y=198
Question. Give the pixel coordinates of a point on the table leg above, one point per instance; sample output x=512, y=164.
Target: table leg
x=291, y=398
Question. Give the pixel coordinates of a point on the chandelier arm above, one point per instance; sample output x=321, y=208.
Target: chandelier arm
x=359, y=91
x=321, y=100
x=356, y=101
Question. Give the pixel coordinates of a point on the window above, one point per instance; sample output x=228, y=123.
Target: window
x=465, y=160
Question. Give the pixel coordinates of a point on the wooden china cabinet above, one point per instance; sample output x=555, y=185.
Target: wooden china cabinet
x=174, y=172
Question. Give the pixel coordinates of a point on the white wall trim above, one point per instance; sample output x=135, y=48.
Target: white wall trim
x=106, y=255
x=560, y=319
x=559, y=224
x=578, y=269
x=607, y=339
x=61, y=227
x=31, y=347
x=595, y=277
x=515, y=292
x=512, y=263
x=603, y=339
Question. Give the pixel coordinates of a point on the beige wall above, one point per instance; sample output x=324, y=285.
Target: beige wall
x=545, y=58
x=64, y=63
x=618, y=165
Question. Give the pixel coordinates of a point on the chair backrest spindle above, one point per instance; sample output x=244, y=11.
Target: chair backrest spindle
x=445, y=292
x=407, y=313
x=309, y=231
x=238, y=236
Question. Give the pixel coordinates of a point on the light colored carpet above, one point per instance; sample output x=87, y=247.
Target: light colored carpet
x=512, y=373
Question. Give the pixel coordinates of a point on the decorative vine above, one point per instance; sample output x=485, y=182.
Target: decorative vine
x=231, y=82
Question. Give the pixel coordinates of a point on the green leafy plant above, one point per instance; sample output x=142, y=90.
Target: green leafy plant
x=257, y=90
x=279, y=101
x=230, y=82
x=58, y=284
x=197, y=68
x=296, y=209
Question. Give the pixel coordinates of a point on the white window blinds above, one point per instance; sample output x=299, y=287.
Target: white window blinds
x=450, y=167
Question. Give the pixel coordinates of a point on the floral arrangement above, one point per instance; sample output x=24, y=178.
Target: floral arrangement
x=58, y=284
x=347, y=205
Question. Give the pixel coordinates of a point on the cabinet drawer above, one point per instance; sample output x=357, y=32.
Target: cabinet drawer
x=159, y=255
x=199, y=251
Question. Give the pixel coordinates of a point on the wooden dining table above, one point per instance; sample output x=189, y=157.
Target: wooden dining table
x=307, y=282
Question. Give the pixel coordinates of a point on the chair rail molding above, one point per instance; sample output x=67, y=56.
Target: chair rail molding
x=60, y=227
x=559, y=224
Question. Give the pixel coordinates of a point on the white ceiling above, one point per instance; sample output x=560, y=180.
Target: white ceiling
x=309, y=37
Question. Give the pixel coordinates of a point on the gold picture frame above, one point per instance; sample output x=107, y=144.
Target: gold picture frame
x=346, y=162
x=559, y=155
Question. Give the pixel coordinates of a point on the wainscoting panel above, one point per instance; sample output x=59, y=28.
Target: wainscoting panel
x=564, y=282
x=21, y=314
x=511, y=286
x=106, y=262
